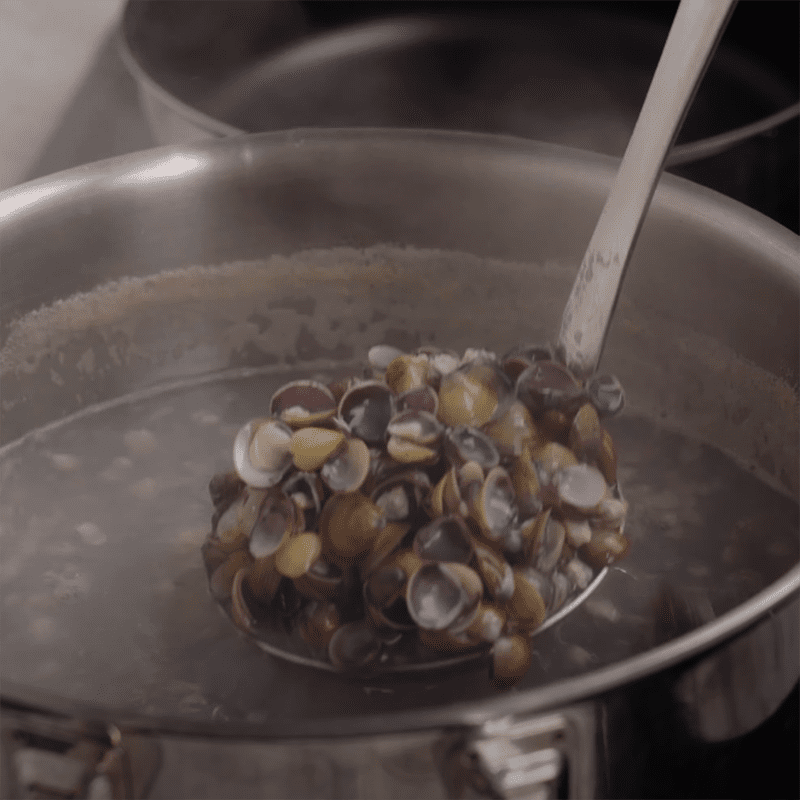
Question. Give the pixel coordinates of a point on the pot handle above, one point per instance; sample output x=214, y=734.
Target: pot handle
x=544, y=757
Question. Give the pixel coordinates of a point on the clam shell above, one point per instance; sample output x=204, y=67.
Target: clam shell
x=446, y=538
x=318, y=622
x=302, y=403
x=322, y=581
x=548, y=385
x=347, y=470
x=605, y=548
x=407, y=452
x=441, y=595
x=421, y=398
x=366, y=409
x=274, y=521
x=488, y=624
x=247, y=613
x=419, y=427
x=348, y=525
x=466, y=443
x=511, y=660
x=469, y=396
x=496, y=573
x=297, y=553
x=311, y=447
x=585, y=434
x=581, y=486
x=606, y=394
x=401, y=496
x=221, y=581
x=406, y=372
x=262, y=453
x=494, y=506
x=356, y=648
x=607, y=458
x=513, y=429
x=263, y=579
x=526, y=608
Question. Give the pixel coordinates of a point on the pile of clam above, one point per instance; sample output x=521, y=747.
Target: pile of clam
x=435, y=506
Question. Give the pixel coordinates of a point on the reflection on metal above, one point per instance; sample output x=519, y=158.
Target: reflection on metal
x=540, y=758
x=52, y=757
x=736, y=687
x=174, y=166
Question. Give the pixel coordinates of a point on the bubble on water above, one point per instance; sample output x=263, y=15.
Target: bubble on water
x=64, y=462
x=140, y=442
x=91, y=533
x=145, y=489
x=116, y=470
x=604, y=609
x=205, y=418
x=42, y=628
x=67, y=584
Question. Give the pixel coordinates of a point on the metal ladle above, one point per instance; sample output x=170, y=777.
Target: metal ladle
x=693, y=37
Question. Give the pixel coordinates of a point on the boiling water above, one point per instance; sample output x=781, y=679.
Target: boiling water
x=105, y=600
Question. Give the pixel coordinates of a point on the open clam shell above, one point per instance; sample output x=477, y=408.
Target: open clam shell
x=443, y=596
x=262, y=452
x=302, y=403
x=366, y=409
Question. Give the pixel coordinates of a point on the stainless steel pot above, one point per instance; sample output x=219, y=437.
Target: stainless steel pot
x=224, y=266
x=561, y=73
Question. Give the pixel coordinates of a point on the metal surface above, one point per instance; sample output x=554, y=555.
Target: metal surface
x=501, y=73
x=727, y=378
x=690, y=45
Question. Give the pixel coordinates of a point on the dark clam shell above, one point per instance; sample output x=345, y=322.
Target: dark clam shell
x=547, y=385
x=465, y=443
x=356, y=648
x=445, y=539
x=366, y=410
x=606, y=394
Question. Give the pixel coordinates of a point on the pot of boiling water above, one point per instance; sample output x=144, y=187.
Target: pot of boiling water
x=153, y=303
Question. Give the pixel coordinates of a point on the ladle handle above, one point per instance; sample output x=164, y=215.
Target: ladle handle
x=694, y=34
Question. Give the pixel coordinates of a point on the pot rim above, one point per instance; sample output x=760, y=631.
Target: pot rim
x=372, y=35
x=742, y=225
